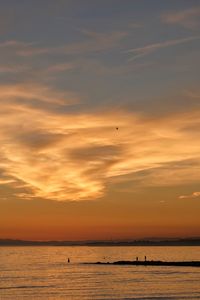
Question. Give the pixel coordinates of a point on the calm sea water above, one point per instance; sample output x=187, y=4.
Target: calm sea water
x=43, y=273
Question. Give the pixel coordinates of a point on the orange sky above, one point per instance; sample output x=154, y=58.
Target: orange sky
x=99, y=120
x=126, y=215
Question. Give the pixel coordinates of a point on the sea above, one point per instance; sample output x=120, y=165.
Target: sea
x=44, y=273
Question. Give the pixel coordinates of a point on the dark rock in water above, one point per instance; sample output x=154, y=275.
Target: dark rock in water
x=153, y=263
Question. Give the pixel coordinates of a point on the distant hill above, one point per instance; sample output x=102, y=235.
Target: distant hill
x=150, y=242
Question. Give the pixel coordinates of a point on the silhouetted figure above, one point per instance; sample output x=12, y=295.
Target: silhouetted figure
x=145, y=258
x=68, y=260
x=117, y=128
x=137, y=258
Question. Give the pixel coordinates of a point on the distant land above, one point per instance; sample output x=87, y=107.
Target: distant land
x=145, y=242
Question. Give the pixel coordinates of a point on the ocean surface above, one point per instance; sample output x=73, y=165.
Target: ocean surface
x=43, y=273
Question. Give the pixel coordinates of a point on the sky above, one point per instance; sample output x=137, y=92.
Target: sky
x=99, y=119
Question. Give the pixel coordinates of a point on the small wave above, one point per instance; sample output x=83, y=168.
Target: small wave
x=25, y=287
x=162, y=298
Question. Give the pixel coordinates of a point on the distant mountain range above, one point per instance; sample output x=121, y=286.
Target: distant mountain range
x=146, y=242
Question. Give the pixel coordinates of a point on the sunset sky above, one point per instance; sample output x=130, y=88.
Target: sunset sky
x=99, y=119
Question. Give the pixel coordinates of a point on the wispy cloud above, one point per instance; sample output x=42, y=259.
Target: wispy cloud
x=4, y=181
x=61, y=67
x=193, y=195
x=14, y=44
x=12, y=69
x=148, y=49
x=192, y=94
x=73, y=156
x=188, y=18
x=92, y=42
x=36, y=92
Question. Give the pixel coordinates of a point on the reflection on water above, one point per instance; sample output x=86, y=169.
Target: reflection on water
x=44, y=273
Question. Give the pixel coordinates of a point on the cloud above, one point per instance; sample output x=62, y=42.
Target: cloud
x=74, y=156
x=92, y=42
x=191, y=94
x=34, y=92
x=189, y=18
x=56, y=68
x=6, y=181
x=146, y=50
x=98, y=68
x=164, y=174
x=12, y=69
x=14, y=44
x=193, y=195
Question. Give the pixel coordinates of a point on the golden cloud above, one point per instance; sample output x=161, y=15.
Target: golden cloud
x=37, y=93
x=193, y=195
x=73, y=156
x=188, y=18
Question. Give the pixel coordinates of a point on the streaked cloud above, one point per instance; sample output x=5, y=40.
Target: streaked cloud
x=6, y=181
x=165, y=174
x=14, y=44
x=193, y=195
x=75, y=155
x=92, y=42
x=188, y=18
x=33, y=92
x=148, y=49
x=56, y=68
x=12, y=69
